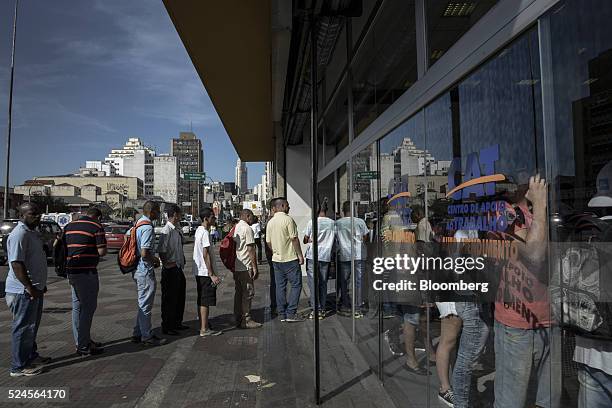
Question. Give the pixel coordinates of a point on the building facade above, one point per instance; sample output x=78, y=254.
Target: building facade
x=393, y=109
x=166, y=178
x=187, y=149
x=130, y=187
x=241, y=177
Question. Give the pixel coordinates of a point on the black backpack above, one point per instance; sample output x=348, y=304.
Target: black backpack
x=581, y=284
x=60, y=251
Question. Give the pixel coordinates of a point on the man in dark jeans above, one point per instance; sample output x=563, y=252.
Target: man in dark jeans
x=282, y=238
x=272, y=280
x=170, y=250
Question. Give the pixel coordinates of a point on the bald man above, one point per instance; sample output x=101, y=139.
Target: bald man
x=26, y=284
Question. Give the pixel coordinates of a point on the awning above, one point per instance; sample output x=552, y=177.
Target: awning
x=229, y=44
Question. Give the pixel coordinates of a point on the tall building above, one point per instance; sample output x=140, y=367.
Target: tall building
x=166, y=176
x=187, y=149
x=241, y=177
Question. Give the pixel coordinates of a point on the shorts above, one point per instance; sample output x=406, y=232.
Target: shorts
x=410, y=314
x=446, y=309
x=207, y=293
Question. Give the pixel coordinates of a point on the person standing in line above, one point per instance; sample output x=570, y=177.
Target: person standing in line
x=256, y=227
x=356, y=239
x=144, y=276
x=245, y=272
x=26, y=284
x=273, y=310
x=85, y=243
x=170, y=250
x=325, y=243
x=206, y=277
x=282, y=238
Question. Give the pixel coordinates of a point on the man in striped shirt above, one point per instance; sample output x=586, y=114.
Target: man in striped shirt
x=86, y=243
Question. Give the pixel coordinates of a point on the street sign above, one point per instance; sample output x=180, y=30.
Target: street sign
x=194, y=176
x=366, y=175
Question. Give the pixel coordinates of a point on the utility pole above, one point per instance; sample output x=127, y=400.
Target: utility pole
x=10, y=116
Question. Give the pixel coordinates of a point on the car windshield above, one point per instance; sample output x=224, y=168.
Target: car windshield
x=116, y=230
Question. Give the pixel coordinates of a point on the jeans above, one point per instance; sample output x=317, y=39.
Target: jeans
x=85, y=287
x=26, y=313
x=272, y=286
x=287, y=272
x=522, y=355
x=243, y=296
x=323, y=270
x=145, y=284
x=595, y=388
x=345, y=281
x=173, y=286
x=471, y=344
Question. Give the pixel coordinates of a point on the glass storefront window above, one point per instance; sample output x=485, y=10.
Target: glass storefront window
x=447, y=21
x=577, y=38
x=358, y=24
x=386, y=65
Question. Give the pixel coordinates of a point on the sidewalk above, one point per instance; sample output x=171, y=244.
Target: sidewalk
x=267, y=367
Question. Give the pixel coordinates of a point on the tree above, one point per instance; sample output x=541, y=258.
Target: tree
x=50, y=204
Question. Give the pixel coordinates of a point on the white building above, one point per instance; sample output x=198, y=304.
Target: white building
x=106, y=167
x=241, y=177
x=134, y=159
x=166, y=178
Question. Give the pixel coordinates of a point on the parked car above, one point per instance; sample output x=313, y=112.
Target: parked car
x=193, y=226
x=115, y=236
x=48, y=231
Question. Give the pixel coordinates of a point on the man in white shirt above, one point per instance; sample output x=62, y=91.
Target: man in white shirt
x=245, y=271
x=325, y=243
x=351, y=242
x=206, y=278
x=256, y=227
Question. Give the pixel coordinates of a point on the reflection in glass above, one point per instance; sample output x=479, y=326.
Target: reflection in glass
x=386, y=65
x=447, y=21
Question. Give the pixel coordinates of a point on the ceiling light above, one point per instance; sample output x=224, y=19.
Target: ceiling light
x=459, y=9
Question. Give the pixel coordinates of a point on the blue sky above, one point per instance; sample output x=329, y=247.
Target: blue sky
x=90, y=74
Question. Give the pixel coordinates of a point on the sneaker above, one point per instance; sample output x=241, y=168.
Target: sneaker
x=209, y=332
x=358, y=315
x=250, y=324
x=28, y=371
x=154, y=341
x=294, y=319
x=393, y=343
x=447, y=397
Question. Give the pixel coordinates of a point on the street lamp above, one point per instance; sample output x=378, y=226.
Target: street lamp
x=10, y=115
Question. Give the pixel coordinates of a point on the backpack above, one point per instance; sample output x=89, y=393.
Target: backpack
x=60, y=251
x=227, y=250
x=581, y=287
x=128, y=256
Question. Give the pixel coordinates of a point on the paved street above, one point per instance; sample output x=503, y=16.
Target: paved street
x=267, y=367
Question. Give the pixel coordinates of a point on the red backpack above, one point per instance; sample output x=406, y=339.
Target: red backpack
x=227, y=250
x=128, y=254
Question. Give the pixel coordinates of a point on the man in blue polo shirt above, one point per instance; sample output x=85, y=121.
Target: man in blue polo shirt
x=144, y=276
x=26, y=284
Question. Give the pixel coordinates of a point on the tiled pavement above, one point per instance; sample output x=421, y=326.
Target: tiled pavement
x=267, y=367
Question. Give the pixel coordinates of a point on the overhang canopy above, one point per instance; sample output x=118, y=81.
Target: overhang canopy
x=229, y=44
